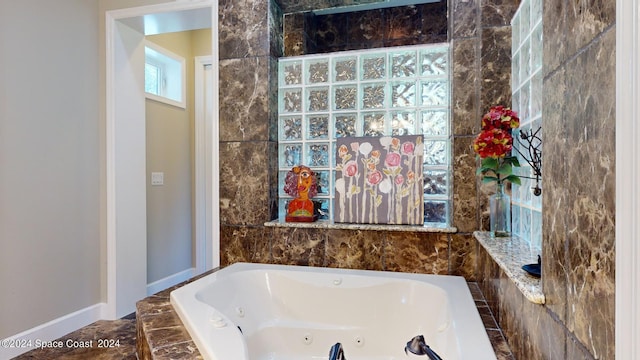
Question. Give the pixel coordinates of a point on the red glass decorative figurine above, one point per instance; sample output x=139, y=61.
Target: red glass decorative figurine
x=301, y=184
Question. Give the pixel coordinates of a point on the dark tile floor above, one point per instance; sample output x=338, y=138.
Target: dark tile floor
x=120, y=334
x=124, y=330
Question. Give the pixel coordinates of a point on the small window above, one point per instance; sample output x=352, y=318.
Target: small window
x=164, y=75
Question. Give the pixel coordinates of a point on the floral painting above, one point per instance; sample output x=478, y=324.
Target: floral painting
x=379, y=180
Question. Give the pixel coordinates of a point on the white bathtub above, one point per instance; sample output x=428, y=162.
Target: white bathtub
x=298, y=313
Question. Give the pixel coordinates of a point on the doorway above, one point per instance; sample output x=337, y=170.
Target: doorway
x=126, y=271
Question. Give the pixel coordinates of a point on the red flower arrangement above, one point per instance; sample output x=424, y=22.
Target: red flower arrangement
x=494, y=143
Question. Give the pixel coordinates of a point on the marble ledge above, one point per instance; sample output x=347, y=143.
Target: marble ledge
x=510, y=253
x=327, y=224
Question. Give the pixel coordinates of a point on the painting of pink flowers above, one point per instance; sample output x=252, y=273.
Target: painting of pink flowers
x=379, y=180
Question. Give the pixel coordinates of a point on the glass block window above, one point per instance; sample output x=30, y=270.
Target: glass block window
x=379, y=92
x=527, y=101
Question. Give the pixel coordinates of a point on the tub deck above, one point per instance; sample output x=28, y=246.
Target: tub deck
x=162, y=335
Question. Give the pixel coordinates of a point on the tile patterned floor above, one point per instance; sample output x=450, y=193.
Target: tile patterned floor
x=124, y=330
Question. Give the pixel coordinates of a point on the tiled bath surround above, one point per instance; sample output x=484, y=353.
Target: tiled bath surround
x=577, y=321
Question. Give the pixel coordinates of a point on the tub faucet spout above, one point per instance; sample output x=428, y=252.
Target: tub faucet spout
x=418, y=346
x=336, y=352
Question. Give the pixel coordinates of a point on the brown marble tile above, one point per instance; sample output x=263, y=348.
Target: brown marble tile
x=416, y=253
x=554, y=44
x=298, y=246
x=244, y=99
x=496, y=67
x=500, y=345
x=331, y=31
x=122, y=331
x=276, y=30
x=465, y=15
x=367, y=26
x=465, y=86
x=554, y=200
x=586, y=20
x=354, y=249
x=462, y=258
x=591, y=195
x=245, y=244
x=184, y=350
x=403, y=22
x=498, y=12
x=243, y=28
x=465, y=196
x=293, y=32
x=435, y=24
x=244, y=183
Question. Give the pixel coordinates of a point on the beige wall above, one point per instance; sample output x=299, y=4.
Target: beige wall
x=170, y=144
x=49, y=161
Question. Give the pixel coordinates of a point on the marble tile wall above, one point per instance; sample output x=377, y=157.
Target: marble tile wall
x=398, y=26
x=578, y=132
x=577, y=321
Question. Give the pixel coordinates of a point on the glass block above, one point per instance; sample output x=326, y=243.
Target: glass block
x=318, y=99
x=515, y=101
x=435, y=212
x=403, y=123
x=345, y=68
x=403, y=94
x=536, y=11
x=435, y=182
x=525, y=66
x=435, y=122
x=373, y=96
x=291, y=72
x=434, y=62
x=282, y=175
x=434, y=93
x=403, y=64
x=536, y=94
x=322, y=179
x=345, y=97
x=373, y=66
x=524, y=102
x=516, y=226
x=536, y=48
x=536, y=230
x=317, y=127
x=373, y=124
x=435, y=152
x=317, y=71
x=322, y=206
x=515, y=33
x=291, y=100
x=515, y=70
x=290, y=155
x=318, y=155
x=345, y=125
x=283, y=203
x=525, y=224
x=525, y=15
x=290, y=128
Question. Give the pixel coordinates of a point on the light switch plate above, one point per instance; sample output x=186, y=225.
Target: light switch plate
x=157, y=178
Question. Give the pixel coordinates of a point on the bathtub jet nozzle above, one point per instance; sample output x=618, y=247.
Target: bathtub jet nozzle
x=336, y=352
x=418, y=346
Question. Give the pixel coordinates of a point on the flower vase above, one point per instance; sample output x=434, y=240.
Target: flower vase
x=500, y=213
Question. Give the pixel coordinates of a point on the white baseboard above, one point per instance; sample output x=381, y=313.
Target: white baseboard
x=56, y=328
x=170, y=280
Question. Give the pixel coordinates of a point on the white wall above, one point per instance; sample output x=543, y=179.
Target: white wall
x=49, y=161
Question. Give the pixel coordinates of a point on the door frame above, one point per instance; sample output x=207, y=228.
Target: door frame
x=125, y=238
